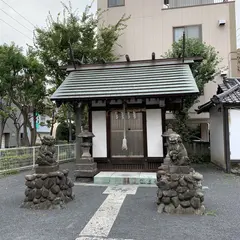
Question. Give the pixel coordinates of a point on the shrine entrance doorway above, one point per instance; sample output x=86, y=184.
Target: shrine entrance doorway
x=127, y=139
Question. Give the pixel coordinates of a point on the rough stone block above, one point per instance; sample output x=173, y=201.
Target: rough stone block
x=163, y=184
x=197, y=176
x=39, y=183
x=185, y=204
x=166, y=200
x=170, y=208
x=161, y=208
x=182, y=182
x=170, y=193
x=175, y=201
x=195, y=202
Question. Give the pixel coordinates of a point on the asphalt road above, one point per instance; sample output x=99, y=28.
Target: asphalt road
x=138, y=218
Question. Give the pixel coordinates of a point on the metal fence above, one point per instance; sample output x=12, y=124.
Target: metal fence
x=16, y=159
x=187, y=3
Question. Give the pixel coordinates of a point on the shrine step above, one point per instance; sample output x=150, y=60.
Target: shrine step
x=122, y=178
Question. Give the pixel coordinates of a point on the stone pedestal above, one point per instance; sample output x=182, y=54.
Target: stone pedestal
x=48, y=190
x=86, y=168
x=47, y=169
x=179, y=190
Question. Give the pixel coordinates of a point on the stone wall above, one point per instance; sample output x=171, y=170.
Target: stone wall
x=179, y=192
x=46, y=191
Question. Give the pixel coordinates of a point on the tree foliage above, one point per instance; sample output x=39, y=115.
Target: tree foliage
x=90, y=41
x=62, y=133
x=22, y=81
x=203, y=72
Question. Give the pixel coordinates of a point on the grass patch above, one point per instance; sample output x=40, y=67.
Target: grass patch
x=211, y=213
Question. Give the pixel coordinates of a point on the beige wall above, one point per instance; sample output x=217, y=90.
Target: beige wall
x=150, y=29
x=217, y=138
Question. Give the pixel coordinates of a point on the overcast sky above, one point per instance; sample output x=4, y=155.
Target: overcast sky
x=36, y=11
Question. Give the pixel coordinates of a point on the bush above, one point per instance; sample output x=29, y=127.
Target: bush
x=15, y=161
x=200, y=158
x=62, y=132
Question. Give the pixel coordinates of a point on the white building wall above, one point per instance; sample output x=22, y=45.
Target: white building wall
x=154, y=132
x=234, y=129
x=217, y=137
x=99, y=129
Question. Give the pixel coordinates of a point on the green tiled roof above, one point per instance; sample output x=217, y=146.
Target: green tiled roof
x=127, y=81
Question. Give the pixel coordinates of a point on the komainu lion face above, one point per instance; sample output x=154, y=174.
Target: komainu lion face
x=175, y=139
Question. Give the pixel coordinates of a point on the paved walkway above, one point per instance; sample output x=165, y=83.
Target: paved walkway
x=121, y=212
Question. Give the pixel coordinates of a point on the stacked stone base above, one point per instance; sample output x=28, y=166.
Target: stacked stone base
x=86, y=168
x=48, y=191
x=179, y=193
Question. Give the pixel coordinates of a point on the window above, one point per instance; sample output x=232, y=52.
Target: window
x=190, y=32
x=116, y=3
x=43, y=119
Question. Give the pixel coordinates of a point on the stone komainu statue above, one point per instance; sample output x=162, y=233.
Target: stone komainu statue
x=46, y=155
x=177, y=151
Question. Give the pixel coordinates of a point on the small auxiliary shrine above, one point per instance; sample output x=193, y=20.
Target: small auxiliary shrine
x=127, y=104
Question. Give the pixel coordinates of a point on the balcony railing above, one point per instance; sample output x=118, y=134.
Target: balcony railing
x=188, y=3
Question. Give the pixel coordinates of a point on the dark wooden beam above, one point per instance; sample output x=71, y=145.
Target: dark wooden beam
x=144, y=119
x=108, y=126
x=127, y=58
x=163, y=130
x=153, y=56
x=226, y=139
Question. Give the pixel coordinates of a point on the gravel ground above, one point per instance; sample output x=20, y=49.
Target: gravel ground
x=138, y=218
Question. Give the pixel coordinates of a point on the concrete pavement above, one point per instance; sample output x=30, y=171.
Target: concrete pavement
x=133, y=217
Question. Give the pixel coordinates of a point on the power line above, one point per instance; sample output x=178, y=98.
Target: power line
x=15, y=29
x=16, y=20
x=18, y=13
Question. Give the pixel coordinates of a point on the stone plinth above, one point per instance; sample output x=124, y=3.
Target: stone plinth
x=86, y=168
x=48, y=190
x=179, y=190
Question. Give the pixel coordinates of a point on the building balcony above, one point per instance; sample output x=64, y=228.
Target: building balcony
x=190, y=3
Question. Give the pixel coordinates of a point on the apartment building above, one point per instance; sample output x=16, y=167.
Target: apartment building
x=155, y=24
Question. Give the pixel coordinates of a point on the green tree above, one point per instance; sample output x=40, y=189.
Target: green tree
x=203, y=72
x=5, y=107
x=91, y=41
x=23, y=81
x=62, y=133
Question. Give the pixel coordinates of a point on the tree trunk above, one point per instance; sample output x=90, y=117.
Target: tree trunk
x=18, y=136
x=25, y=123
x=1, y=135
x=3, y=123
x=52, y=123
x=69, y=127
x=33, y=129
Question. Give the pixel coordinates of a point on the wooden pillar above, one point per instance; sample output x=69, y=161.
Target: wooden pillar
x=164, y=128
x=78, y=117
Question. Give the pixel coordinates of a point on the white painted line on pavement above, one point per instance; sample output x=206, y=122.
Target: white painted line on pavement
x=96, y=238
x=102, y=221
